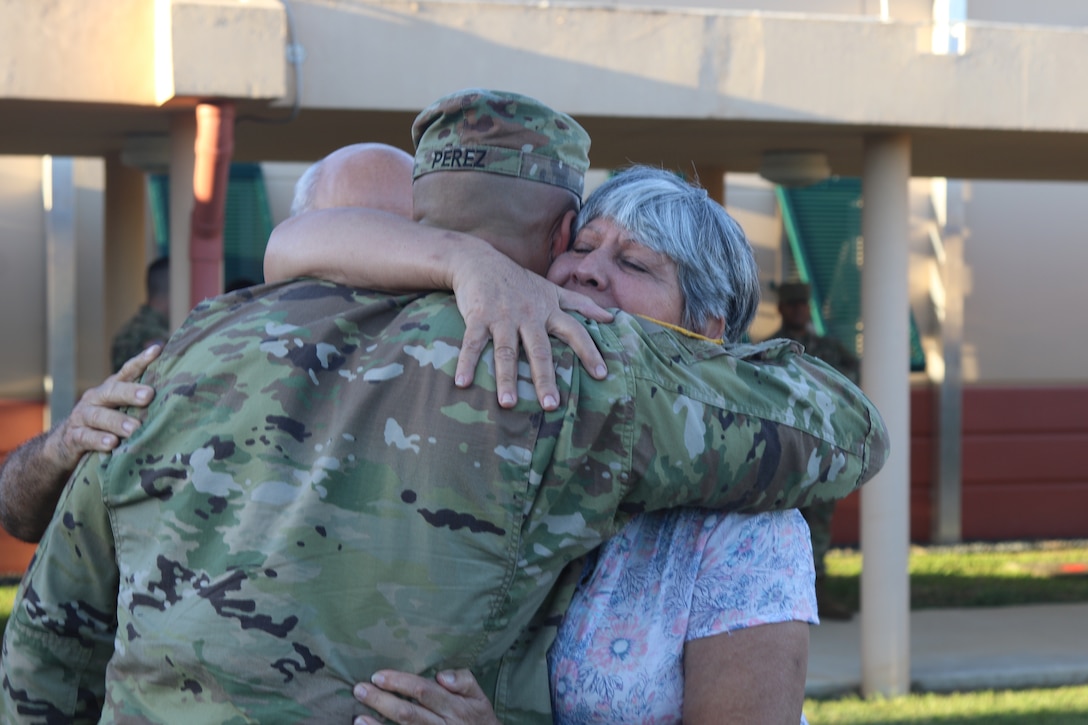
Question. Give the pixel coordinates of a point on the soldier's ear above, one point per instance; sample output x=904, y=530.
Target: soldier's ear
x=564, y=234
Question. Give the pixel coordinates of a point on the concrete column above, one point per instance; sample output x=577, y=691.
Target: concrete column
x=182, y=163
x=59, y=202
x=126, y=245
x=948, y=483
x=885, y=501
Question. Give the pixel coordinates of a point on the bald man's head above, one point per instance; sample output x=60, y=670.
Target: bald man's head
x=370, y=175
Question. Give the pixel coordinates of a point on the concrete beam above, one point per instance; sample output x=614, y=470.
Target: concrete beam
x=694, y=64
x=221, y=49
x=142, y=53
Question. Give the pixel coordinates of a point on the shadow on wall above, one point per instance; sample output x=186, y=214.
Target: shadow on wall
x=19, y=422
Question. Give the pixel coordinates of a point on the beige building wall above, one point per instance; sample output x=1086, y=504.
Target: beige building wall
x=1026, y=255
x=92, y=345
x=23, y=276
x=279, y=179
x=1042, y=12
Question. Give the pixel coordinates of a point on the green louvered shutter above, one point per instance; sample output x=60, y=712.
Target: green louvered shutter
x=246, y=225
x=823, y=227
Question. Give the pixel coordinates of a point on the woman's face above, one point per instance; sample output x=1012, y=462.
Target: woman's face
x=606, y=264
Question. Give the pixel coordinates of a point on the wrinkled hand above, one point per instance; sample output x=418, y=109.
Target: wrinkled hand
x=503, y=302
x=452, y=698
x=96, y=424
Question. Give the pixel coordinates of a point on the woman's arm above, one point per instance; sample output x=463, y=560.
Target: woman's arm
x=750, y=675
x=499, y=299
x=369, y=248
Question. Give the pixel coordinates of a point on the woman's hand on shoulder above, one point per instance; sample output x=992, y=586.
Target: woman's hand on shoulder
x=452, y=698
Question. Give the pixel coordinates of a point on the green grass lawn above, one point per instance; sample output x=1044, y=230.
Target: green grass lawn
x=962, y=576
x=1055, y=706
x=7, y=598
x=979, y=575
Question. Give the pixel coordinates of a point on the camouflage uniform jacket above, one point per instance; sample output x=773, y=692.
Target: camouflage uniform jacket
x=147, y=326
x=310, y=498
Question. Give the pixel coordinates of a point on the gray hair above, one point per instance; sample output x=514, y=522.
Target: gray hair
x=717, y=271
x=305, y=187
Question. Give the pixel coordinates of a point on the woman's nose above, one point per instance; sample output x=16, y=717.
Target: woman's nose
x=588, y=270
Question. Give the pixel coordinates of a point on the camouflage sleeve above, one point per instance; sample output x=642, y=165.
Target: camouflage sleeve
x=749, y=428
x=61, y=631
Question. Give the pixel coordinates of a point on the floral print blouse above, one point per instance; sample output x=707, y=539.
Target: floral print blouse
x=667, y=578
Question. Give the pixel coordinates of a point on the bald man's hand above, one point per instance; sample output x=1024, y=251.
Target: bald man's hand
x=33, y=475
x=96, y=424
x=453, y=697
x=515, y=308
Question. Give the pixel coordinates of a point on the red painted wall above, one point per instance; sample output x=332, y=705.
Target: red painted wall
x=18, y=422
x=1025, y=470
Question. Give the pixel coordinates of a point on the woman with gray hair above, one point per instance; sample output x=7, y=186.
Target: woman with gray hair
x=685, y=615
x=717, y=273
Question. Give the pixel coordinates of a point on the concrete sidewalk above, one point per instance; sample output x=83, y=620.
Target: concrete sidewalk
x=1043, y=645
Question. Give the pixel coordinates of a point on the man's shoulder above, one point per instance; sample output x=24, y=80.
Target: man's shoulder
x=306, y=301
x=311, y=328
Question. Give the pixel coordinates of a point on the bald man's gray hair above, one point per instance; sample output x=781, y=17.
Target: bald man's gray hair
x=717, y=270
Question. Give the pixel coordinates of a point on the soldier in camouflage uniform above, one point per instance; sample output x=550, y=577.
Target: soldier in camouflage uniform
x=311, y=499
x=794, y=308
x=151, y=323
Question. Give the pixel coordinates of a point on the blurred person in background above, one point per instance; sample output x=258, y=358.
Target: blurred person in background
x=795, y=309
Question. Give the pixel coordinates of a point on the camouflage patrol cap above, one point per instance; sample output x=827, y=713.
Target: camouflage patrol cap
x=794, y=292
x=501, y=133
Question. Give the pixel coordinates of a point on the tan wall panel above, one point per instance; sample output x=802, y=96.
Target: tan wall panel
x=92, y=343
x=91, y=50
x=22, y=277
x=224, y=48
x=1026, y=258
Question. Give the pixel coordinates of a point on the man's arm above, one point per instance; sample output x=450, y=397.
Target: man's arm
x=745, y=428
x=60, y=636
x=33, y=475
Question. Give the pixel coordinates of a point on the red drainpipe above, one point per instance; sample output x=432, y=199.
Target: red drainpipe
x=211, y=171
